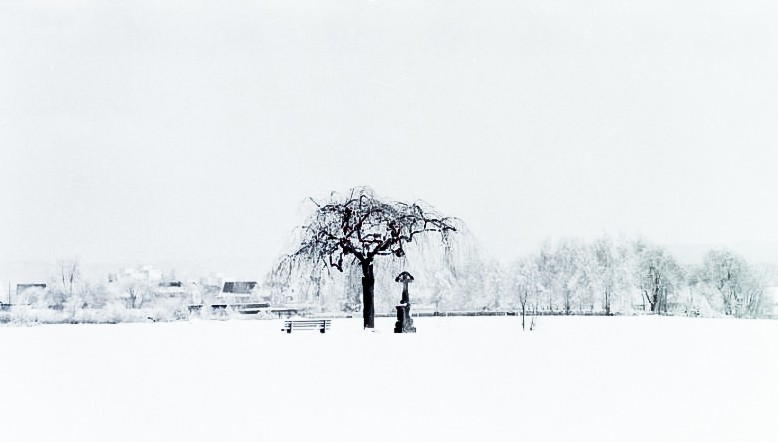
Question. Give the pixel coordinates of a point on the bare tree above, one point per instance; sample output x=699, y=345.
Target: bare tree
x=360, y=227
x=526, y=277
x=69, y=272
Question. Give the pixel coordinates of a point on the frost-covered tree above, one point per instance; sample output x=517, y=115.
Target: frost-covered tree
x=694, y=301
x=66, y=287
x=525, y=279
x=612, y=266
x=493, y=276
x=567, y=272
x=738, y=286
x=659, y=275
x=357, y=228
x=585, y=291
x=566, y=275
x=137, y=292
x=70, y=274
x=605, y=270
x=547, y=268
x=625, y=274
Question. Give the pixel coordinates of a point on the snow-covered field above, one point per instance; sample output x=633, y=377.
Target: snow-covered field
x=574, y=379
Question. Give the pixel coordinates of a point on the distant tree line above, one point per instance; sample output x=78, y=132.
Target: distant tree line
x=634, y=275
x=570, y=276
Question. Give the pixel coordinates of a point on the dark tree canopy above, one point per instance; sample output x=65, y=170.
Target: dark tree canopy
x=363, y=226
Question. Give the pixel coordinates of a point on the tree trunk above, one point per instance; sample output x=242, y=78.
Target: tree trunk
x=654, y=301
x=368, y=288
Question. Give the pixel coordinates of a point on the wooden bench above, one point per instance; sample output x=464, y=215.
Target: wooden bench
x=310, y=324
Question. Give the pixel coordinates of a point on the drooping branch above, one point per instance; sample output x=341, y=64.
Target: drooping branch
x=364, y=227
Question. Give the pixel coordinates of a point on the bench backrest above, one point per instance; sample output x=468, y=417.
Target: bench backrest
x=325, y=322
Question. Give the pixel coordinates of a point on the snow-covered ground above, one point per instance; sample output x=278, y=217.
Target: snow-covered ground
x=574, y=379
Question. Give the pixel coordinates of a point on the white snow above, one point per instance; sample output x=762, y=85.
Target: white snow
x=470, y=379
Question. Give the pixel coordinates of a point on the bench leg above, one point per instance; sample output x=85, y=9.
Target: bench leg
x=322, y=329
x=289, y=330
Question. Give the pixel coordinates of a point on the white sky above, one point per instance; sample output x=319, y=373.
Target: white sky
x=152, y=131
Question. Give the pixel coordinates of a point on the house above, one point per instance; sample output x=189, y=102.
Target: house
x=142, y=273
x=171, y=289
x=239, y=287
x=242, y=296
x=21, y=288
x=27, y=293
x=238, y=292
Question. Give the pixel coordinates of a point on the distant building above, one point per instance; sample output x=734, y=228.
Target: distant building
x=239, y=287
x=28, y=293
x=171, y=289
x=21, y=288
x=239, y=292
x=211, y=286
x=142, y=273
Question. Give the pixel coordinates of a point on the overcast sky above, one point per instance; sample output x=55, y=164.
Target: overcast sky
x=192, y=132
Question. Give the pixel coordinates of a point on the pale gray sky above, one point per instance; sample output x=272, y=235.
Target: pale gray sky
x=160, y=131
